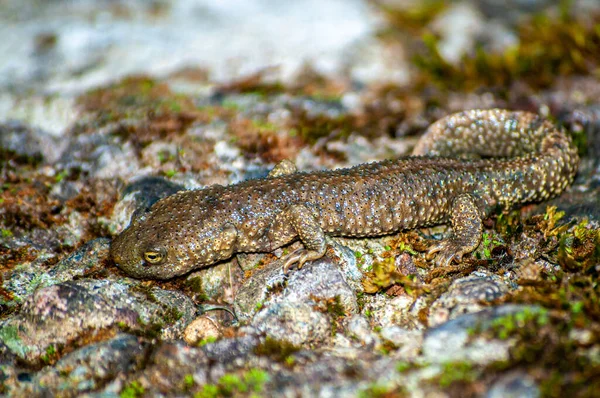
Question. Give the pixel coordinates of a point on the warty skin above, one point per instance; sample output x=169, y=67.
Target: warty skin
x=441, y=183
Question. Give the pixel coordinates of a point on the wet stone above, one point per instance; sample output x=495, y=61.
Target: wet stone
x=407, y=341
x=321, y=280
x=254, y=291
x=228, y=350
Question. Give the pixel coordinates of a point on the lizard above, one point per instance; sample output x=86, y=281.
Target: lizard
x=464, y=167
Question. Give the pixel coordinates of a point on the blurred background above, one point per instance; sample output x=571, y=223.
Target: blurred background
x=58, y=49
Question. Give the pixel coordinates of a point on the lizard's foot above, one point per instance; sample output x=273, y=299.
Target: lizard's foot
x=467, y=227
x=446, y=251
x=301, y=256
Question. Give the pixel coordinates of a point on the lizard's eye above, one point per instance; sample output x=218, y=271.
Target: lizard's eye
x=154, y=256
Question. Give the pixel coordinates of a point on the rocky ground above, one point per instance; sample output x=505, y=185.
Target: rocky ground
x=106, y=106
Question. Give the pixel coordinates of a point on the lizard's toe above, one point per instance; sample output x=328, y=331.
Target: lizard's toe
x=301, y=256
x=446, y=252
x=293, y=258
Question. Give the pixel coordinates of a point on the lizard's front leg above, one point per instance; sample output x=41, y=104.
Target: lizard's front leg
x=305, y=224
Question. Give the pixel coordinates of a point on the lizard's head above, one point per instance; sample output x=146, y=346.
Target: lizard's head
x=171, y=240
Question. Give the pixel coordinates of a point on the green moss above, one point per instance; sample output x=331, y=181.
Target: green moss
x=188, y=382
x=61, y=176
x=263, y=126
x=311, y=128
x=229, y=385
x=377, y=390
x=506, y=326
x=404, y=366
x=146, y=291
x=414, y=16
x=405, y=247
x=385, y=274
x=579, y=249
x=132, y=390
x=157, y=110
x=453, y=372
x=170, y=173
x=488, y=243
x=548, y=47
x=50, y=354
x=333, y=308
x=6, y=233
x=278, y=350
x=9, y=335
x=195, y=285
x=171, y=315
x=208, y=340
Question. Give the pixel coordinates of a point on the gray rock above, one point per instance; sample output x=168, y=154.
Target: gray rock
x=137, y=198
x=407, y=341
x=25, y=279
x=297, y=323
x=86, y=369
x=451, y=342
x=514, y=385
x=30, y=144
x=168, y=367
x=251, y=296
x=69, y=313
x=100, y=154
x=323, y=279
x=358, y=328
x=228, y=350
x=215, y=283
x=465, y=295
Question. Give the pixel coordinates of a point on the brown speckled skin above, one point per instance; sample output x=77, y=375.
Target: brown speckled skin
x=443, y=183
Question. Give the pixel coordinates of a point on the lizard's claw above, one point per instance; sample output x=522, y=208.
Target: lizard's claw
x=447, y=251
x=300, y=256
